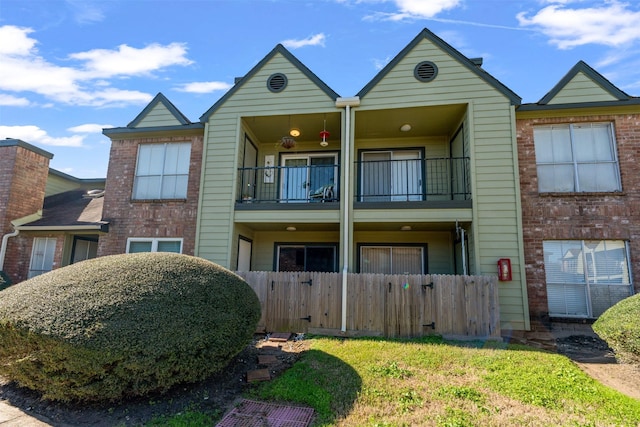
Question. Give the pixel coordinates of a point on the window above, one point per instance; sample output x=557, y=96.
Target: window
x=585, y=278
x=162, y=171
x=139, y=244
x=42, y=255
x=311, y=257
x=391, y=176
x=392, y=259
x=83, y=248
x=577, y=157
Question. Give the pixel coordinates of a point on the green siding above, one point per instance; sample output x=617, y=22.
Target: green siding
x=59, y=184
x=158, y=116
x=581, y=89
x=222, y=148
x=492, y=139
x=493, y=224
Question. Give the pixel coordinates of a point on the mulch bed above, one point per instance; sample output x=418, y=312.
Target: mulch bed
x=214, y=396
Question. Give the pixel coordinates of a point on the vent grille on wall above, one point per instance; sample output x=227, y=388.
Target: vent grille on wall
x=425, y=71
x=277, y=82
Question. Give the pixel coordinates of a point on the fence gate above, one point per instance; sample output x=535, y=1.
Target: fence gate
x=409, y=306
x=288, y=301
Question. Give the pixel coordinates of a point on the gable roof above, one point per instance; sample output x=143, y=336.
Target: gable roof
x=279, y=49
x=160, y=99
x=185, y=123
x=597, y=78
x=472, y=64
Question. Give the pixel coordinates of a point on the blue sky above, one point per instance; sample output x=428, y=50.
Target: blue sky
x=69, y=68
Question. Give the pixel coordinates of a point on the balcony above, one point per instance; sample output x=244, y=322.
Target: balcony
x=379, y=182
x=297, y=185
x=412, y=180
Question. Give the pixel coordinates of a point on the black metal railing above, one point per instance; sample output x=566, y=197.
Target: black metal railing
x=289, y=184
x=413, y=180
x=440, y=179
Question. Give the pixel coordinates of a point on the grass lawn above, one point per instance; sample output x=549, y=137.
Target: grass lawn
x=429, y=382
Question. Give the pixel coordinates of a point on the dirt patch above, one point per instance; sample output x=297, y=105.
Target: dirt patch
x=594, y=357
x=213, y=396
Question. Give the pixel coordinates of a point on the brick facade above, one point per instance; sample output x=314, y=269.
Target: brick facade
x=578, y=216
x=162, y=218
x=23, y=178
x=19, y=257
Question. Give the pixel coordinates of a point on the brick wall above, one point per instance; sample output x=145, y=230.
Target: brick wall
x=19, y=258
x=23, y=178
x=578, y=216
x=131, y=218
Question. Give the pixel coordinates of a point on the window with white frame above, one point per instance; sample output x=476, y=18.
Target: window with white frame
x=42, y=255
x=381, y=259
x=578, y=157
x=142, y=244
x=585, y=277
x=162, y=171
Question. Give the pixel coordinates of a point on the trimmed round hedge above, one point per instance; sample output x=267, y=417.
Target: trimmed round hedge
x=619, y=326
x=124, y=325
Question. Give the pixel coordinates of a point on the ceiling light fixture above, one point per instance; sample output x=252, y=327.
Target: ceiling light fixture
x=291, y=228
x=405, y=127
x=294, y=132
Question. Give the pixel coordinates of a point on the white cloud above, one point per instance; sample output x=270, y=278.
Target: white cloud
x=23, y=69
x=379, y=64
x=86, y=11
x=89, y=128
x=612, y=23
x=315, y=40
x=35, y=135
x=425, y=9
x=15, y=41
x=13, y=101
x=127, y=60
x=203, y=87
x=416, y=9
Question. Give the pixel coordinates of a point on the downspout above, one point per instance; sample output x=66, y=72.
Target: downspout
x=346, y=103
x=3, y=248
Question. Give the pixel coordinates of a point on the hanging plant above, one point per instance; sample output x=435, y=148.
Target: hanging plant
x=287, y=142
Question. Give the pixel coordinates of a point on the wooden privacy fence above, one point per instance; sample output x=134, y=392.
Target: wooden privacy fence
x=377, y=304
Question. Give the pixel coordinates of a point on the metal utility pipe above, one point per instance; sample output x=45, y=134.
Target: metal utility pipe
x=346, y=103
x=3, y=248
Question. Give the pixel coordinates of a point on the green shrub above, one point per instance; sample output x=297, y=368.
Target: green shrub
x=619, y=326
x=5, y=282
x=124, y=325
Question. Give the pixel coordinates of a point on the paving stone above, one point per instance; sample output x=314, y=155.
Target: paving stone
x=267, y=359
x=258, y=375
x=280, y=336
x=271, y=345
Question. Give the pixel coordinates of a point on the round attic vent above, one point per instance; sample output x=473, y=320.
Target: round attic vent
x=425, y=71
x=277, y=82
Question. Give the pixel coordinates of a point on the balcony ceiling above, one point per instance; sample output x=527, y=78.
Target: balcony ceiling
x=269, y=129
x=424, y=121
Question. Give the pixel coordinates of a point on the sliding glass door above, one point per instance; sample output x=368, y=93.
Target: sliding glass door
x=305, y=175
x=391, y=176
